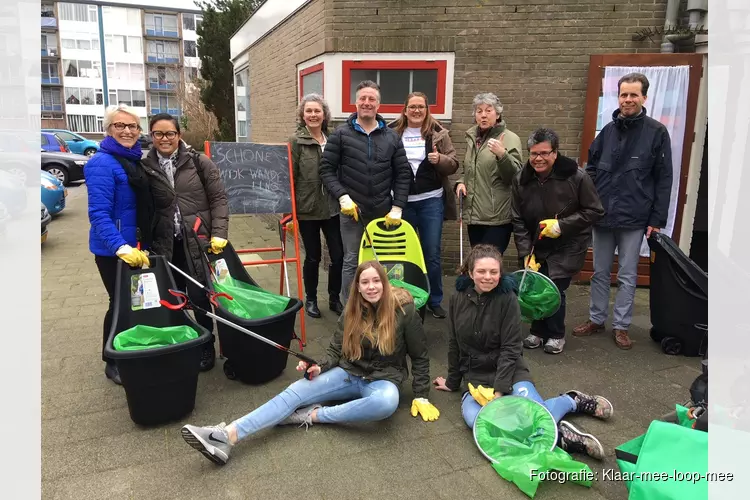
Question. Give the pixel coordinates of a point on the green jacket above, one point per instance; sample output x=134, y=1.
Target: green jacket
x=312, y=199
x=488, y=179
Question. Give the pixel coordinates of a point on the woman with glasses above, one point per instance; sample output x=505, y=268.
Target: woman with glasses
x=433, y=159
x=187, y=186
x=493, y=157
x=554, y=206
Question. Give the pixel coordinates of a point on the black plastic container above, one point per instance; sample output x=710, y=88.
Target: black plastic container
x=678, y=299
x=247, y=359
x=160, y=383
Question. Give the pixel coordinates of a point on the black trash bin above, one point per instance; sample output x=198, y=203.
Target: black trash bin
x=160, y=383
x=678, y=299
x=248, y=359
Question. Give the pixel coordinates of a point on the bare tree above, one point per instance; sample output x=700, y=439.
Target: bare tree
x=197, y=123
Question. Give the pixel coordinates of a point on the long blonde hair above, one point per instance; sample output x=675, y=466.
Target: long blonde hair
x=363, y=320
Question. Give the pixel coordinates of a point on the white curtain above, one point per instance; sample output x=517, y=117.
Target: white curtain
x=667, y=102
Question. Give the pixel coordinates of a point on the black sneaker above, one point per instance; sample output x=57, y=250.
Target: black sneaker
x=208, y=357
x=437, y=311
x=596, y=406
x=336, y=306
x=574, y=441
x=311, y=308
x=113, y=373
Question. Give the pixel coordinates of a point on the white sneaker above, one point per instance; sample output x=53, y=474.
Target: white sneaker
x=301, y=416
x=554, y=346
x=532, y=341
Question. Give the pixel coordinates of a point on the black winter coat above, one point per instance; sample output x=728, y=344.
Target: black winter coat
x=630, y=162
x=485, y=346
x=567, y=194
x=367, y=167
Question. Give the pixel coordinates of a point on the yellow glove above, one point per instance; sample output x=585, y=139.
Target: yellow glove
x=217, y=244
x=290, y=227
x=482, y=395
x=550, y=228
x=133, y=257
x=423, y=407
x=531, y=263
x=393, y=218
x=348, y=207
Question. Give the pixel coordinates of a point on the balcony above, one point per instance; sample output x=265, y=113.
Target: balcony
x=50, y=80
x=50, y=52
x=162, y=58
x=52, y=107
x=48, y=22
x=153, y=31
x=162, y=85
x=171, y=111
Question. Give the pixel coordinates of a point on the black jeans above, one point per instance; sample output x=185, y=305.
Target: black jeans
x=554, y=326
x=108, y=271
x=492, y=235
x=196, y=295
x=310, y=230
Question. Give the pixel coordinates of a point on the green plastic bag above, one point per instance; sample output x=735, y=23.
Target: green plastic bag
x=519, y=436
x=150, y=337
x=420, y=296
x=539, y=298
x=250, y=302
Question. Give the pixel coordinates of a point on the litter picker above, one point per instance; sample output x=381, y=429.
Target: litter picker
x=367, y=233
x=461, y=227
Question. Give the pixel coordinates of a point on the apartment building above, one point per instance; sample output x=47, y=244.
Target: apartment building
x=98, y=53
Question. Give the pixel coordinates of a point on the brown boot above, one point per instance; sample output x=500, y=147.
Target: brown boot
x=587, y=329
x=622, y=340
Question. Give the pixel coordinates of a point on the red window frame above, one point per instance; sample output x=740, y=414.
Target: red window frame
x=304, y=72
x=435, y=107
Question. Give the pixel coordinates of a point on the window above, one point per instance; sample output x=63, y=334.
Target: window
x=191, y=73
x=311, y=80
x=139, y=98
x=123, y=97
x=99, y=96
x=82, y=68
x=75, y=95
x=78, y=12
x=241, y=128
x=81, y=42
x=161, y=24
x=50, y=72
x=239, y=80
x=84, y=123
x=396, y=78
x=112, y=97
x=136, y=72
x=198, y=21
x=48, y=11
x=70, y=67
x=66, y=136
x=68, y=43
x=134, y=45
x=134, y=17
x=190, y=49
x=188, y=22
x=51, y=100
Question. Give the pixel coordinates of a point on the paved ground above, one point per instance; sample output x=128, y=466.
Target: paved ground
x=91, y=449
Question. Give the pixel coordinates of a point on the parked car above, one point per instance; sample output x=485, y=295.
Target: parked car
x=18, y=156
x=53, y=193
x=46, y=219
x=76, y=142
x=146, y=141
x=67, y=167
x=53, y=142
x=12, y=193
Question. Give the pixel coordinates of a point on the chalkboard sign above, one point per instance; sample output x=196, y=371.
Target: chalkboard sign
x=256, y=176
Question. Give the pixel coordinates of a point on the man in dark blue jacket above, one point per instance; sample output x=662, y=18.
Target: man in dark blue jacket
x=630, y=162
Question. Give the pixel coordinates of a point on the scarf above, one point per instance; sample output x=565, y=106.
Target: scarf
x=114, y=148
x=169, y=165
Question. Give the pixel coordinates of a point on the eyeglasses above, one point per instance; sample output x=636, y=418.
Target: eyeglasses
x=416, y=108
x=161, y=135
x=131, y=126
x=543, y=154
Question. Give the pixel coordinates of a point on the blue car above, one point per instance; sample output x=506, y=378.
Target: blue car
x=53, y=142
x=53, y=193
x=77, y=143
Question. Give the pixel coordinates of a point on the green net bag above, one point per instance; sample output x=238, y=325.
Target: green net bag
x=420, y=296
x=149, y=337
x=250, y=302
x=539, y=298
x=519, y=436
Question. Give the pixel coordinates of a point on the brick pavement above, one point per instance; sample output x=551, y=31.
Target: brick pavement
x=91, y=449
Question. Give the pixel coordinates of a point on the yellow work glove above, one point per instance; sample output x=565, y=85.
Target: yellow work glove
x=217, y=244
x=531, y=263
x=393, y=218
x=290, y=227
x=550, y=228
x=423, y=407
x=348, y=207
x=481, y=394
x=133, y=257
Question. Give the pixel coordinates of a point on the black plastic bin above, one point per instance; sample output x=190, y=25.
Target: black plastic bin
x=678, y=299
x=160, y=383
x=247, y=359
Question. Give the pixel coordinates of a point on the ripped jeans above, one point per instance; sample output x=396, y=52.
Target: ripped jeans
x=369, y=401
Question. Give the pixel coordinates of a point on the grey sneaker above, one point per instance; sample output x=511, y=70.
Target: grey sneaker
x=532, y=341
x=554, y=346
x=211, y=441
x=596, y=406
x=301, y=416
x=437, y=311
x=573, y=440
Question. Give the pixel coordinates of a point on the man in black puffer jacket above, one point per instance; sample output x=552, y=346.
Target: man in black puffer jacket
x=365, y=167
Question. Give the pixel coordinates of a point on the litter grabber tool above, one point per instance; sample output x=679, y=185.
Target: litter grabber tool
x=461, y=226
x=282, y=235
x=185, y=303
x=537, y=236
x=369, y=239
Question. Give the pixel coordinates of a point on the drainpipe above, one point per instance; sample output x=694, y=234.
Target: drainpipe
x=697, y=10
x=105, y=89
x=668, y=42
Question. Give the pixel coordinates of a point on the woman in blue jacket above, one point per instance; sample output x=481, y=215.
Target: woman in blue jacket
x=111, y=175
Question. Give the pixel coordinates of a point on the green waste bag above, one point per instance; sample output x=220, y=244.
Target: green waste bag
x=250, y=302
x=420, y=296
x=150, y=337
x=539, y=298
x=519, y=436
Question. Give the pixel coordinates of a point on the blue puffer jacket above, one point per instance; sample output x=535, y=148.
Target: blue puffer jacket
x=112, y=205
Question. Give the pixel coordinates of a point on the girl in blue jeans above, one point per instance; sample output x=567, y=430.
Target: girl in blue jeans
x=365, y=365
x=485, y=347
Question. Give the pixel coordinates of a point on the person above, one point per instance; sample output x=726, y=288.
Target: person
x=493, y=157
x=485, y=349
x=554, y=204
x=630, y=162
x=365, y=366
x=120, y=208
x=190, y=185
x=433, y=159
x=317, y=210
x=365, y=168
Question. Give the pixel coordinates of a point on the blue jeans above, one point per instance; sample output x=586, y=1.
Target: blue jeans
x=558, y=406
x=370, y=401
x=427, y=218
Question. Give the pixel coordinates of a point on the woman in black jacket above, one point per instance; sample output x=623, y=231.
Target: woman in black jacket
x=485, y=349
